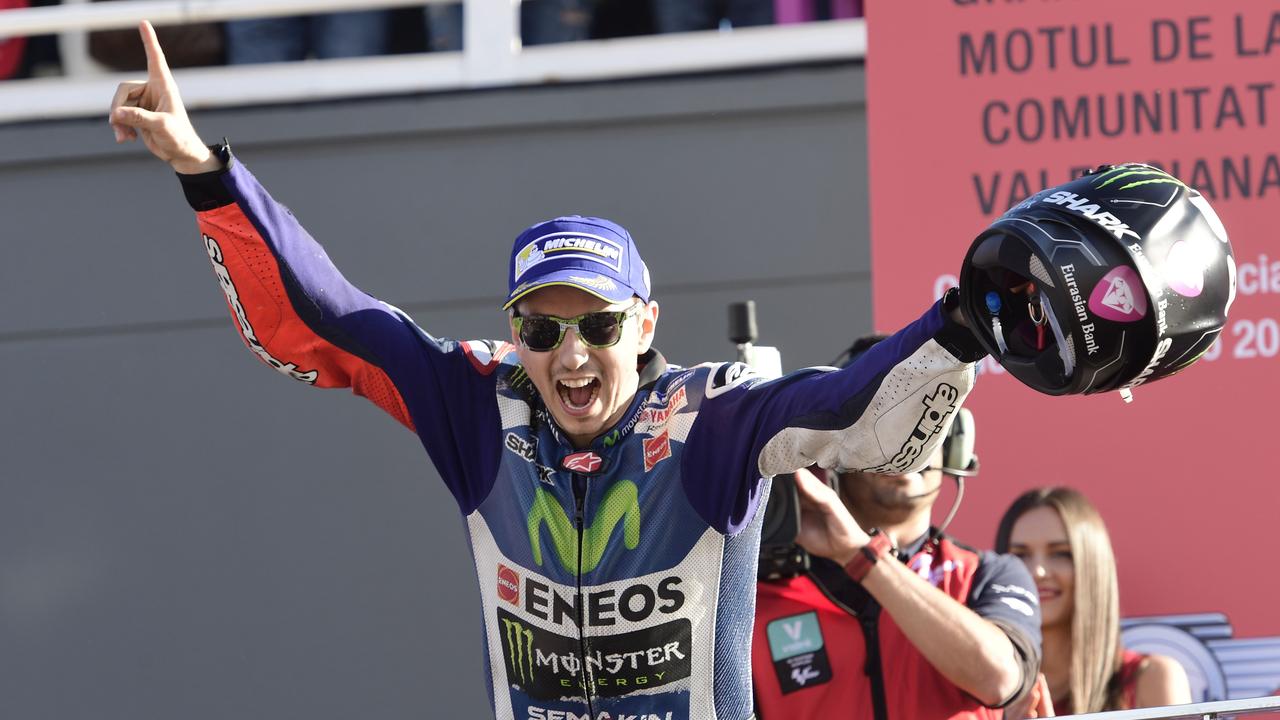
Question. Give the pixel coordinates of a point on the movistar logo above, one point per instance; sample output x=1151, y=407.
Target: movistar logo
x=519, y=649
x=621, y=504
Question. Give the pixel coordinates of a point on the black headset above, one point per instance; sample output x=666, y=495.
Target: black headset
x=959, y=461
x=958, y=456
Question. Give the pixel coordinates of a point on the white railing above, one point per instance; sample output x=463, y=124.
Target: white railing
x=1201, y=711
x=127, y=13
x=492, y=55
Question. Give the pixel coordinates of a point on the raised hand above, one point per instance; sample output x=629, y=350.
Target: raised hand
x=827, y=528
x=153, y=110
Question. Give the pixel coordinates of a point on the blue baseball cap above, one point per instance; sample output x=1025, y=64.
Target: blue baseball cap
x=592, y=254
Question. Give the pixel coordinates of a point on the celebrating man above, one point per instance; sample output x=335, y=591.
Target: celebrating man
x=608, y=497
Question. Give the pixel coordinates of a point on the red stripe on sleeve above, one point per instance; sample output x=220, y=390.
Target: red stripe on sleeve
x=250, y=278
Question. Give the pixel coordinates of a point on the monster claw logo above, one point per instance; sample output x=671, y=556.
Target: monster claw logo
x=621, y=504
x=519, y=650
x=1151, y=176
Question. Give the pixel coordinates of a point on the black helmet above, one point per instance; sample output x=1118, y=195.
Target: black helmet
x=1117, y=278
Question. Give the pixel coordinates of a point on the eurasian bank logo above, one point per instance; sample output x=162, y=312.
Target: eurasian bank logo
x=519, y=650
x=1219, y=666
x=621, y=504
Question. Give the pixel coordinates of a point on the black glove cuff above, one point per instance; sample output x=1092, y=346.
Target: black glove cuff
x=206, y=191
x=954, y=337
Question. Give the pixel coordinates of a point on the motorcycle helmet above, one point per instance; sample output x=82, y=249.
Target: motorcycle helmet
x=1120, y=277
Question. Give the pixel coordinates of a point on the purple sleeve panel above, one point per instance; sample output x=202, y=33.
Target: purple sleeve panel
x=805, y=417
x=297, y=313
x=1002, y=588
x=1004, y=594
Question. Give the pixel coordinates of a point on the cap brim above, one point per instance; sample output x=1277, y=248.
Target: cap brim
x=572, y=278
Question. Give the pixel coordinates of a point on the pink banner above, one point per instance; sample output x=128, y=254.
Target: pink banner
x=975, y=105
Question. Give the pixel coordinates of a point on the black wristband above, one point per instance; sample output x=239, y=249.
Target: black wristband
x=206, y=191
x=954, y=337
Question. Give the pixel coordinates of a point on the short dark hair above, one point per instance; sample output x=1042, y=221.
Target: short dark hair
x=850, y=354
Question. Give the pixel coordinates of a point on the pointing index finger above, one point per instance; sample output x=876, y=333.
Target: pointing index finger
x=157, y=66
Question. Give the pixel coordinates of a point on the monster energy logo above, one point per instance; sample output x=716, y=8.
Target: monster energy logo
x=1153, y=176
x=519, y=649
x=546, y=665
x=518, y=378
x=621, y=503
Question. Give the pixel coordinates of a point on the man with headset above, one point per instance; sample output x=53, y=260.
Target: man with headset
x=892, y=618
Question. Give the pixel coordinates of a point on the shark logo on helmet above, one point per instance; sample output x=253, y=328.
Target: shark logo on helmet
x=1093, y=211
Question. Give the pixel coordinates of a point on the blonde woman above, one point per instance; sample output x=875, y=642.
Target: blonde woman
x=1064, y=543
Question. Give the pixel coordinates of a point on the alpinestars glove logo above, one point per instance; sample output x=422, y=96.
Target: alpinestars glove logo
x=937, y=408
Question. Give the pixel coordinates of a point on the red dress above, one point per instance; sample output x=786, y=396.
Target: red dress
x=1128, y=672
x=1126, y=675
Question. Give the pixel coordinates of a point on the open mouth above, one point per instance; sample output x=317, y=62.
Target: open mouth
x=578, y=394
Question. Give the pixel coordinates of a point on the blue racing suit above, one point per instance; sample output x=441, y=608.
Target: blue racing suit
x=617, y=581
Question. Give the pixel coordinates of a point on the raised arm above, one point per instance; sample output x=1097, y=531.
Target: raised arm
x=297, y=313
x=884, y=413
x=988, y=648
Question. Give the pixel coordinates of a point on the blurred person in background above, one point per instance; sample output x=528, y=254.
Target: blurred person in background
x=893, y=618
x=609, y=499
x=12, y=49
x=289, y=39
x=797, y=11
x=541, y=22
x=672, y=16
x=1061, y=538
x=194, y=45
x=29, y=57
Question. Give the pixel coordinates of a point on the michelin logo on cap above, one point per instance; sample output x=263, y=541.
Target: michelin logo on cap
x=529, y=256
x=569, y=245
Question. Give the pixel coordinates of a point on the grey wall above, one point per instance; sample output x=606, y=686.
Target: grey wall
x=184, y=533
